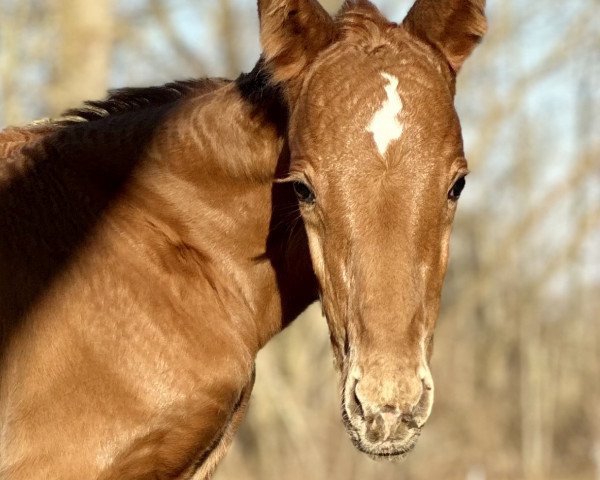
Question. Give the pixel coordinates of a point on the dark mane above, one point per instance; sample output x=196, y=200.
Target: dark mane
x=258, y=89
x=130, y=99
x=255, y=87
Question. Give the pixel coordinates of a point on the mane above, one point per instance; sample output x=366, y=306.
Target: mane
x=258, y=88
x=255, y=87
x=118, y=102
x=131, y=99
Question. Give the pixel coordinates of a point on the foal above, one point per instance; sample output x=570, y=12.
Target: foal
x=150, y=246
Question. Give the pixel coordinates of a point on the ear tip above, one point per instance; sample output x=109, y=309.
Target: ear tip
x=480, y=18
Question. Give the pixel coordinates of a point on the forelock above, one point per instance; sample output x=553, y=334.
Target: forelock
x=361, y=23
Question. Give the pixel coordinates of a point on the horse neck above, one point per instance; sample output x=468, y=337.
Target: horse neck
x=211, y=168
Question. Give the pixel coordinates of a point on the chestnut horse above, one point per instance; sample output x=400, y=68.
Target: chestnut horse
x=152, y=244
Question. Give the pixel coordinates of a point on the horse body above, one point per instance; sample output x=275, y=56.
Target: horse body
x=156, y=243
x=148, y=333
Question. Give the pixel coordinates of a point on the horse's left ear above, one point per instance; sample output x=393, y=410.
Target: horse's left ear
x=292, y=33
x=454, y=27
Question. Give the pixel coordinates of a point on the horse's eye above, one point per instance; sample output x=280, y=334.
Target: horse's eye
x=303, y=192
x=456, y=190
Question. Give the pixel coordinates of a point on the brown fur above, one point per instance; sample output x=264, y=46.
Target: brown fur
x=152, y=245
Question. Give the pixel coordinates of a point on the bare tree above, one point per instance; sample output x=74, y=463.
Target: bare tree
x=83, y=53
x=517, y=357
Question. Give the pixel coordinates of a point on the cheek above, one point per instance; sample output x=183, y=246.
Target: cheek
x=445, y=250
x=316, y=251
x=435, y=256
x=433, y=271
x=445, y=246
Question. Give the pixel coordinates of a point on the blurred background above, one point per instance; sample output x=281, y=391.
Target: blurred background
x=517, y=357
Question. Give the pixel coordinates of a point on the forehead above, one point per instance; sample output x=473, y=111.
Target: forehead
x=351, y=84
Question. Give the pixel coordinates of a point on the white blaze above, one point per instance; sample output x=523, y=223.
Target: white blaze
x=385, y=125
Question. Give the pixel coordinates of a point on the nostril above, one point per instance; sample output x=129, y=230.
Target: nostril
x=359, y=409
x=426, y=384
x=409, y=420
x=422, y=409
x=376, y=428
x=354, y=404
x=426, y=378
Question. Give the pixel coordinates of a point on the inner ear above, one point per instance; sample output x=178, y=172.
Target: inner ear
x=292, y=33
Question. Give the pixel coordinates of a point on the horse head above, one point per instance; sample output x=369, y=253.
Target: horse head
x=377, y=164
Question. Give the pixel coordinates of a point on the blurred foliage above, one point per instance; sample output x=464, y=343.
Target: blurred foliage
x=517, y=359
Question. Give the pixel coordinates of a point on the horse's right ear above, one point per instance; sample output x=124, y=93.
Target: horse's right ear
x=292, y=33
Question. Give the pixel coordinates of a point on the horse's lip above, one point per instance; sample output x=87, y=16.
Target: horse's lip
x=390, y=451
x=395, y=454
x=398, y=449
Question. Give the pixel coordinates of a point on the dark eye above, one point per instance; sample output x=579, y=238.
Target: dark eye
x=303, y=192
x=457, y=188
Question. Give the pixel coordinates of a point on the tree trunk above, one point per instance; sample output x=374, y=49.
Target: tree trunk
x=84, y=46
